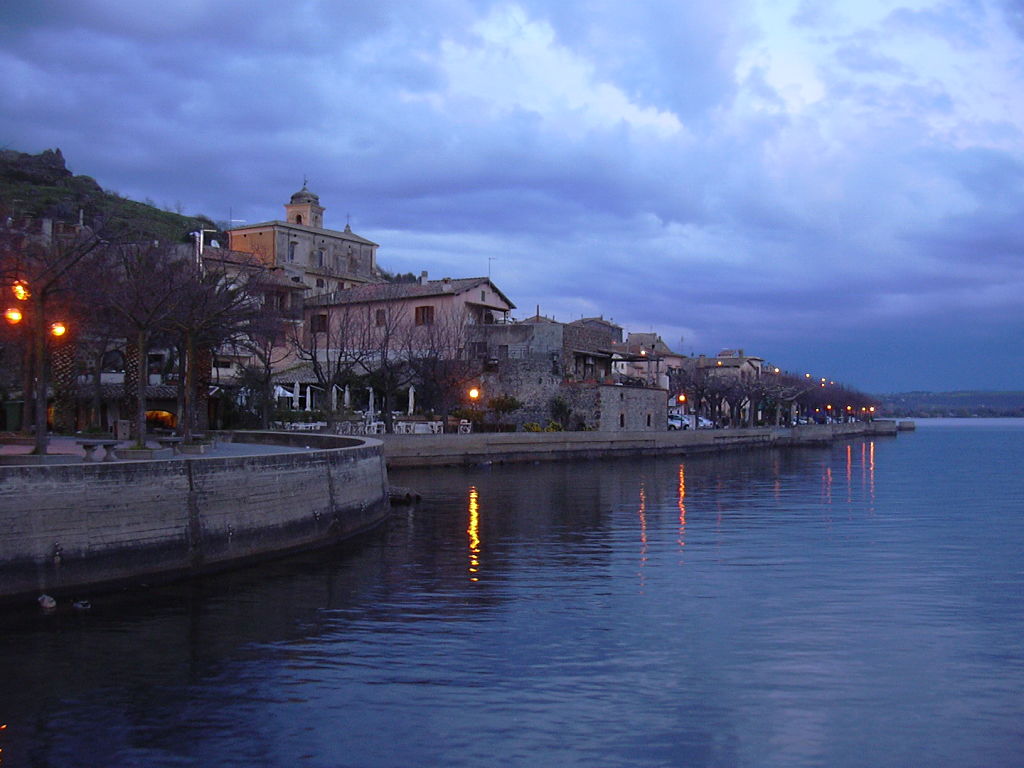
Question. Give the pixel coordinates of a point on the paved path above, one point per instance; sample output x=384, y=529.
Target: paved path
x=68, y=446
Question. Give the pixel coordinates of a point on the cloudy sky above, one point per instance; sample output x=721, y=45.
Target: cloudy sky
x=834, y=185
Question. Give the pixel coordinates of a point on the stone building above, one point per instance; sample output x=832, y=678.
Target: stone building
x=325, y=260
x=563, y=372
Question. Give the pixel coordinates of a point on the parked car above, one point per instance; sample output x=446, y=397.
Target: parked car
x=675, y=421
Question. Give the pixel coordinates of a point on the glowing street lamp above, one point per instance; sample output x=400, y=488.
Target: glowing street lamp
x=474, y=394
x=35, y=354
x=20, y=290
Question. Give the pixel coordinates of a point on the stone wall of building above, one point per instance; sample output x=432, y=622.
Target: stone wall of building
x=632, y=409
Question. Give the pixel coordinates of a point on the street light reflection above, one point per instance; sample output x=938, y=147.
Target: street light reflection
x=682, y=506
x=474, y=533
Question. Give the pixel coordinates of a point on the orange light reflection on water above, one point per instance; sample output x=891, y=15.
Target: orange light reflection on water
x=682, y=506
x=474, y=534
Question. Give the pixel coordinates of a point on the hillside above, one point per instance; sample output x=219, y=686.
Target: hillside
x=38, y=186
x=964, y=403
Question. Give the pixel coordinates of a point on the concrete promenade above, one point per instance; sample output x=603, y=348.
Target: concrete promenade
x=66, y=450
x=507, y=447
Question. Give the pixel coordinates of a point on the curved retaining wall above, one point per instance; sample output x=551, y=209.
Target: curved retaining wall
x=70, y=526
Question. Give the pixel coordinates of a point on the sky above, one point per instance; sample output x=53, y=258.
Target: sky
x=834, y=186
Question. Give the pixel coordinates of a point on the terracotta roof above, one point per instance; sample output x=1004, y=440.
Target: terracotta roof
x=302, y=373
x=601, y=320
x=390, y=291
x=348, y=234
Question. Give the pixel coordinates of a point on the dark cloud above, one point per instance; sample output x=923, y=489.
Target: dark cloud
x=658, y=171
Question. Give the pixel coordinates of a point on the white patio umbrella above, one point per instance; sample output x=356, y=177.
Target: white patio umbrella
x=370, y=409
x=412, y=399
x=295, y=397
x=347, y=397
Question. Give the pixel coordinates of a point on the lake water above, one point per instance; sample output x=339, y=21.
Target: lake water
x=856, y=605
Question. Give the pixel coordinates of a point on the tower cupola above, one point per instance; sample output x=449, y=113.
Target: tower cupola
x=305, y=209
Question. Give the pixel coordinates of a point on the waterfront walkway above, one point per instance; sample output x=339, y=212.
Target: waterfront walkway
x=510, y=447
x=65, y=449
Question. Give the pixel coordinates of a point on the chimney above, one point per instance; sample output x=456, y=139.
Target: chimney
x=423, y=277
x=446, y=285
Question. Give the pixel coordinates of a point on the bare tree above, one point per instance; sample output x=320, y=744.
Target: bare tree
x=213, y=308
x=147, y=283
x=441, y=367
x=389, y=331
x=334, y=342
x=264, y=343
x=38, y=266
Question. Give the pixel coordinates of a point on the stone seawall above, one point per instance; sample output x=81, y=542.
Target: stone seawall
x=442, y=450
x=70, y=526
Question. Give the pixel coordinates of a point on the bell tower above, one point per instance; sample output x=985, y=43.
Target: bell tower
x=305, y=209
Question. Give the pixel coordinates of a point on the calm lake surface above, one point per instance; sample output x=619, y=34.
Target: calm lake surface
x=856, y=605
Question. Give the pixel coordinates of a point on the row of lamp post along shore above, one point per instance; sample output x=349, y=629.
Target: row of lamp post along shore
x=865, y=411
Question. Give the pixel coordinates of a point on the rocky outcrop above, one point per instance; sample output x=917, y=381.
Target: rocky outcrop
x=46, y=168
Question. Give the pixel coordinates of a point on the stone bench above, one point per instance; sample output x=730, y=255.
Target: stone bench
x=171, y=442
x=90, y=446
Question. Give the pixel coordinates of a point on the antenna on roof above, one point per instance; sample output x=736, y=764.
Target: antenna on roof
x=489, y=260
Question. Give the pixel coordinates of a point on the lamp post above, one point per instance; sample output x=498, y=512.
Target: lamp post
x=474, y=397
x=30, y=303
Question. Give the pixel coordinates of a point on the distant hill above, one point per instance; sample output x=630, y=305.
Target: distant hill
x=41, y=186
x=964, y=403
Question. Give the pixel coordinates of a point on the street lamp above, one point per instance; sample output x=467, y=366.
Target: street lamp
x=35, y=353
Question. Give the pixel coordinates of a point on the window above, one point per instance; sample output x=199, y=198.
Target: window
x=298, y=218
x=381, y=317
x=483, y=295
x=320, y=257
x=291, y=250
x=319, y=282
x=318, y=323
x=424, y=315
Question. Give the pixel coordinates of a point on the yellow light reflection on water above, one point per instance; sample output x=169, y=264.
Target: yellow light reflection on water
x=474, y=533
x=642, y=514
x=682, y=506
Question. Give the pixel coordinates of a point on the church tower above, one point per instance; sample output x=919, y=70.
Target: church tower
x=305, y=210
